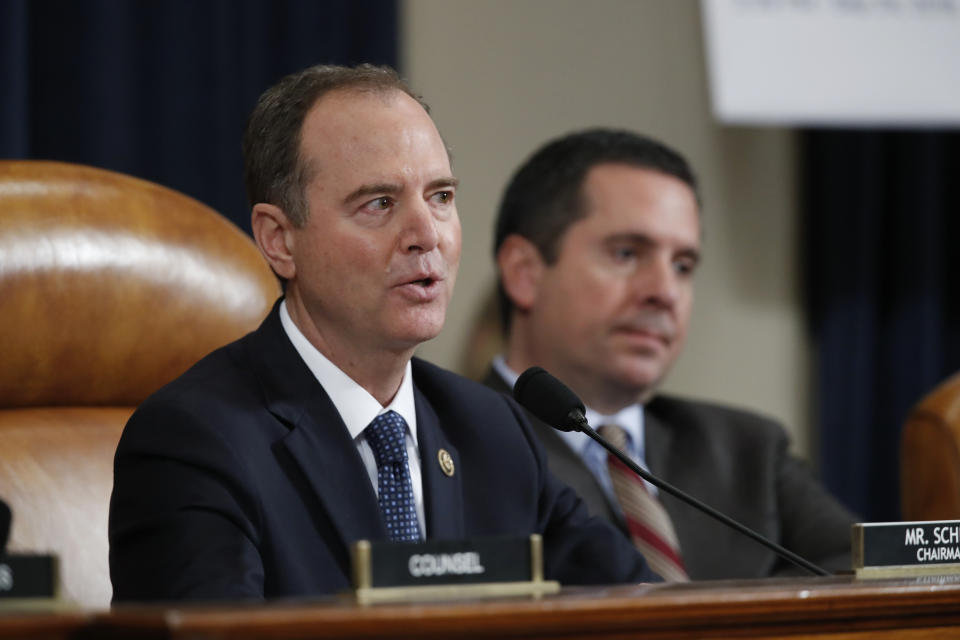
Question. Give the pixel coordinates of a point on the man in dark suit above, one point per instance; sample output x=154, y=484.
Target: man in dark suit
x=251, y=475
x=597, y=241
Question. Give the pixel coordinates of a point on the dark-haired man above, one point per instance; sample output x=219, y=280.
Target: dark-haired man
x=597, y=242
x=251, y=475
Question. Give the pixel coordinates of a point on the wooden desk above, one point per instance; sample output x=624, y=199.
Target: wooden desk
x=837, y=608
x=41, y=621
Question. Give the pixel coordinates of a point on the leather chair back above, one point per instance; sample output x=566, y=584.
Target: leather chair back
x=110, y=287
x=930, y=456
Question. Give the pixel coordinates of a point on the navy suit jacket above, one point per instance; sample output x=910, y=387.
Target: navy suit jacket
x=736, y=462
x=239, y=480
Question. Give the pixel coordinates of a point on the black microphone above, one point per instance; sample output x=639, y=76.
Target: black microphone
x=5, y=518
x=550, y=400
x=556, y=404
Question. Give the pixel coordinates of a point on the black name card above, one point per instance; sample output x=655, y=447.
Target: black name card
x=27, y=576
x=907, y=544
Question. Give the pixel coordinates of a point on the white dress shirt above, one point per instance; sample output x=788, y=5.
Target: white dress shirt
x=358, y=408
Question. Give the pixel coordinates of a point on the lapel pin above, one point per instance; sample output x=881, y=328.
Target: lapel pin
x=446, y=462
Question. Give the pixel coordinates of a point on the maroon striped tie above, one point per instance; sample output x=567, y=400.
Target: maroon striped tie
x=647, y=520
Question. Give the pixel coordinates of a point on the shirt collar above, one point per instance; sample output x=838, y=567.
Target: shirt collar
x=356, y=406
x=509, y=375
x=630, y=419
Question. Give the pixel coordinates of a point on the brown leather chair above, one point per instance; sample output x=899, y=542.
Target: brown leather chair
x=110, y=287
x=930, y=456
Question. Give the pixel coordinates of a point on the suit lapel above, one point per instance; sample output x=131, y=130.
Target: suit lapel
x=656, y=441
x=318, y=442
x=442, y=494
x=328, y=458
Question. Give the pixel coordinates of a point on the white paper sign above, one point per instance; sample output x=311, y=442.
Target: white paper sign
x=834, y=62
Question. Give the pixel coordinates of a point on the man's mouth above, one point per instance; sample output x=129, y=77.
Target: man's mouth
x=422, y=287
x=657, y=327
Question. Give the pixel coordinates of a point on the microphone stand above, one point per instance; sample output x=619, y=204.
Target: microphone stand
x=577, y=417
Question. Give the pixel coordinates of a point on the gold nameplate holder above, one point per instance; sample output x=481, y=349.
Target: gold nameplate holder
x=447, y=569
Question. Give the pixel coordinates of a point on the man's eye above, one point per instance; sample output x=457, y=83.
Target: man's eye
x=380, y=204
x=685, y=267
x=623, y=254
x=443, y=197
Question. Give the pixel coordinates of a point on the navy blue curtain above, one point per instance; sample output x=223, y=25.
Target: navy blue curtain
x=882, y=266
x=161, y=89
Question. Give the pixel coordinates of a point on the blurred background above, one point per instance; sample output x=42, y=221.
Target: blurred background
x=828, y=294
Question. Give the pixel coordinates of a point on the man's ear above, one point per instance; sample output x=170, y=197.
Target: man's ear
x=521, y=267
x=273, y=233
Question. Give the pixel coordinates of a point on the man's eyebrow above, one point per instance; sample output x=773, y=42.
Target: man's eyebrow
x=389, y=188
x=692, y=253
x=373, y=189
x=439, y=183
x=630, y=236
x=644, y=239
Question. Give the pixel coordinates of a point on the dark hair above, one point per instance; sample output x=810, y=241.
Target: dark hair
x=545, y=195
x=273, y=169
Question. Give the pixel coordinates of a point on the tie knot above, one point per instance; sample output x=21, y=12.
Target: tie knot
x=614, y=434
x=387, y=435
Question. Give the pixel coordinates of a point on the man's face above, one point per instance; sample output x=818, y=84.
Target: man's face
x=377, y=258
x=611, y=313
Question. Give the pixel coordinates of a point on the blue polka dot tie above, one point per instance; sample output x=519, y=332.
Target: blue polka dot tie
x=387, y=437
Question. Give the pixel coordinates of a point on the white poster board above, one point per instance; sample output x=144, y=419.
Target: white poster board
x=834, y=62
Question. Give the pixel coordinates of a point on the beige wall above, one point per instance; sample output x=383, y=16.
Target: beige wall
x=503, y=76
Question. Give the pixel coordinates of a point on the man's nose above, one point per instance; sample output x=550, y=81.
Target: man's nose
x=657, y=282
x=420, y=229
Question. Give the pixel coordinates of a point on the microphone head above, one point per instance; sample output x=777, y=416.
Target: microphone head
x=549, y=399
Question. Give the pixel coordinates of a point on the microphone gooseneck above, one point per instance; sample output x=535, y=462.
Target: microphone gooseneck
x=556, y=404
